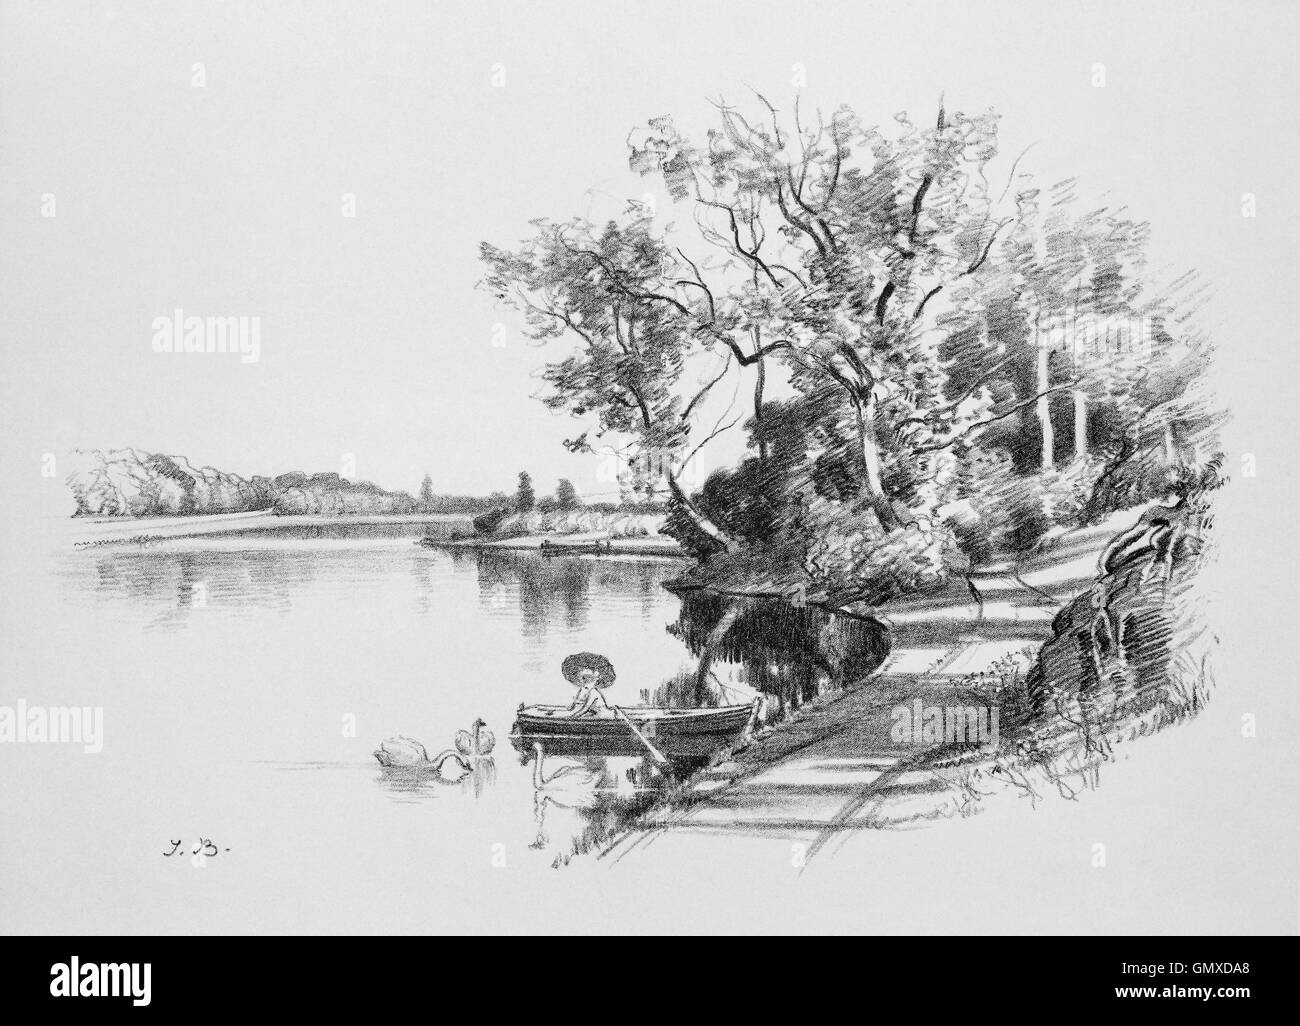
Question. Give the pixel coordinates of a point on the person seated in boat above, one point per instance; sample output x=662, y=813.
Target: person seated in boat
x=591, y=674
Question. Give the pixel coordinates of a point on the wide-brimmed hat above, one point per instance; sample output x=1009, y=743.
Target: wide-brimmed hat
x=580, y=661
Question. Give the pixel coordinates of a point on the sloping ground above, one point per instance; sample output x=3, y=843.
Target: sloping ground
x=88, y=533
x=839, y=766
x=1132, y=653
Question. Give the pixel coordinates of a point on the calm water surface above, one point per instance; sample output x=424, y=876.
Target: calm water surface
x=245, y=683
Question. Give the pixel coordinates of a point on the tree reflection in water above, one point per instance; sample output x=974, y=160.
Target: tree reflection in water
x=556, y=591
x=792, y=653
x=253, y=581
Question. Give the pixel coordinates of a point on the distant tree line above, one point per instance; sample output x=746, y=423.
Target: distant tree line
x=565, y=497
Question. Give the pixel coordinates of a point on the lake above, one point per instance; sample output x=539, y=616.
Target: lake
x=245, y=682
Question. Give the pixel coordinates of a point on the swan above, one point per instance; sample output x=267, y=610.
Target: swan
x=407, y=753
x=476, y=742
x=569, y=786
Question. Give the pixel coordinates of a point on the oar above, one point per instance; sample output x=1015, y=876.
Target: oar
x=658, y=755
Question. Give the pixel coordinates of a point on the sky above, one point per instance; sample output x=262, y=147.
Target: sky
x=200, y=156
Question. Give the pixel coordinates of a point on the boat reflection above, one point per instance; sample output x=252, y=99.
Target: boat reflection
x=599, y=772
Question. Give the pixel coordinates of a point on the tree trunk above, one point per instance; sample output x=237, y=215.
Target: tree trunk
x=1079, y=353
x=1044, y=401
x=711, y=644
x=1080, y=424
x=701, y=522
x=865, y=413
x=759, y=433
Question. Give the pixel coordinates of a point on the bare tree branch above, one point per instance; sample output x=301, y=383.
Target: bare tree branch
x=993, y=420
x=726, y=366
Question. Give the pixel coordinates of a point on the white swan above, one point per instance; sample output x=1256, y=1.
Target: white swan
x=477, y=743
x=569, y=786
x=407, y=753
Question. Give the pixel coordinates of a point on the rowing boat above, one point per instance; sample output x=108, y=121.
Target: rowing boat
x=596, y=548
x=677, y=733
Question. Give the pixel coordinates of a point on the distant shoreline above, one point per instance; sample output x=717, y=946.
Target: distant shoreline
x=85, y=531
x=93, y=532
x=617, y=546
x=270, y=517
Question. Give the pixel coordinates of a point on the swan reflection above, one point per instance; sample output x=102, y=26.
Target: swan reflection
x=592, y=790
x=408, y=767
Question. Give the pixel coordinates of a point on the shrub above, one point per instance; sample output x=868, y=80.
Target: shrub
x=487, y=523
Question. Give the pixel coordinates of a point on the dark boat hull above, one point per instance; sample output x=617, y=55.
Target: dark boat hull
x=676, y=733
x=553, y=549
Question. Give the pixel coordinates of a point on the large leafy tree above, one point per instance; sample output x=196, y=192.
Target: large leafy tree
x=602, y=288
x=851, y=253
x=924, y=305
